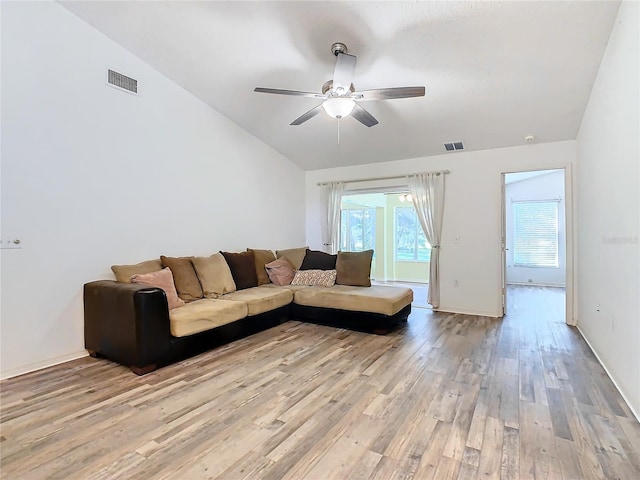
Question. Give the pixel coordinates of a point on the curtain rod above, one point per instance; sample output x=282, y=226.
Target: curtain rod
x=371, y=179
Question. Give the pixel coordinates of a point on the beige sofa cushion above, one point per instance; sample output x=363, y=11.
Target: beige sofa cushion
x=204, y=314
x=124, y=273
x=382, y=299
x=261, y=299
x=294, y=255
x=292, y=288
x=214, y=275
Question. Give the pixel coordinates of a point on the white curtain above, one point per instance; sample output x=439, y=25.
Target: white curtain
x=427, y=193
x=334, y=201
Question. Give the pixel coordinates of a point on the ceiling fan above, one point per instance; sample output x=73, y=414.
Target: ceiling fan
x=340, y=96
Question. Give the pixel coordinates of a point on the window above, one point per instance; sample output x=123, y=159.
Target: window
x=357, y=229
x=411, y=244
x=535, y=231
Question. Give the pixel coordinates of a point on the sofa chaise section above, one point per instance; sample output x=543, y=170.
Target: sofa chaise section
x=377, y=309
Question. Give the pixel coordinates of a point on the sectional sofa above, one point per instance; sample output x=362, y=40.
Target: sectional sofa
x=209, y=301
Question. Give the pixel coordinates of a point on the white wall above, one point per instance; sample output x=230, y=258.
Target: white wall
x=471, y=252
x=608, y=179
x=92, y=176
x=549, y=186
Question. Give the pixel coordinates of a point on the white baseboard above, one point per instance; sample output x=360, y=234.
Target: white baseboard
x=468, y=312
x=32, y=367
x=615, y=384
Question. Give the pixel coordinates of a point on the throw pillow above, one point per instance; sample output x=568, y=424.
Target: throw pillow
x=243, y=269
x=186, y=280
x=161, y=279
x=294, y=255
x=280, y=271
x=317, y=260
x=123, y=273
x=354, y=268
x=262, y=257
x=315, y=278
x=214, y=275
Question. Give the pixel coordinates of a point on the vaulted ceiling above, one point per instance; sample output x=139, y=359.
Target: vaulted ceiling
x=494, y=72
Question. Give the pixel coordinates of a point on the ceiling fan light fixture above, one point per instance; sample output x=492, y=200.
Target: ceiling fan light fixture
x=338, y=107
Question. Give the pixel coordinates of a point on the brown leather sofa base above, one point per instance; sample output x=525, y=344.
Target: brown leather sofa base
x=360, y=321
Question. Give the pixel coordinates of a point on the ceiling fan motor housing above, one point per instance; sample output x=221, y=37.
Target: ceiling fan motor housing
x=338, y=47
x=328, y=85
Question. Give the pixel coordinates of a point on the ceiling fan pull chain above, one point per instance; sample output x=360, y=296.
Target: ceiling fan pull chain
x=338, y=134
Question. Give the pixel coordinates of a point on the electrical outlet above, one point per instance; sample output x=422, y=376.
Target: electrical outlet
x=10, y=242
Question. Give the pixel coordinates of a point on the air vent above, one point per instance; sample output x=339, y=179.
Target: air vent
x=122, y=81
x=452, y=146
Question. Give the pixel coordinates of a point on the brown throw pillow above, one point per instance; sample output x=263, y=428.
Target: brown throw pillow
x=354, y=268
x=317, y=260
x=294, y=255
x=280, y=271
x=162, y=279
x=123, y=273
x=184, y=276
x=261, y=258
x=243, y=269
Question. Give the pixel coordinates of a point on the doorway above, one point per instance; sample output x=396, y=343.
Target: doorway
x=535, y=240
x=386, y=222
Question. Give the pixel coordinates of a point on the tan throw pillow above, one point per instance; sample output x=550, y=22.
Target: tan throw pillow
x=354, y=268
x=184, y=276
x=162, y=279
x=315, y=278
x=280, y=271
x=123, y=273
x=261, y=258
x=214, y=275
x=294, y=255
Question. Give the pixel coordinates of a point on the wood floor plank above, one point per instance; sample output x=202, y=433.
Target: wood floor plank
x=445, y=396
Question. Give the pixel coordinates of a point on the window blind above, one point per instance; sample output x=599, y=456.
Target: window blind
x=535, y=228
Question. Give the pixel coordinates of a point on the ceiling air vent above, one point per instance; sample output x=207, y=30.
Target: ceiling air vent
x=119, y=80
x=451, y=146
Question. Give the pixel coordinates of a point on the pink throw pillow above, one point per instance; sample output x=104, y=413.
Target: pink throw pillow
x=280, y=271
x=162, y=279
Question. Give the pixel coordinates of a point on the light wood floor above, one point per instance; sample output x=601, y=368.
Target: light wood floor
x=447, y=396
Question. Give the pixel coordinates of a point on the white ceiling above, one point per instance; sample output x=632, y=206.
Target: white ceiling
x=494, y=71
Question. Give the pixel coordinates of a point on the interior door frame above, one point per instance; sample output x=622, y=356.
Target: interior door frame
x=569, y=243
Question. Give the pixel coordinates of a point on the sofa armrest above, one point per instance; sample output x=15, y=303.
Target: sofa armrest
x=126, y=322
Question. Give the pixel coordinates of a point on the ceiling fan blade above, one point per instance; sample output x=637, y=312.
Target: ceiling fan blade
x=343, y=73
x=363, y=116
x=389, y=93
x=289, y=92
x=306, y=116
